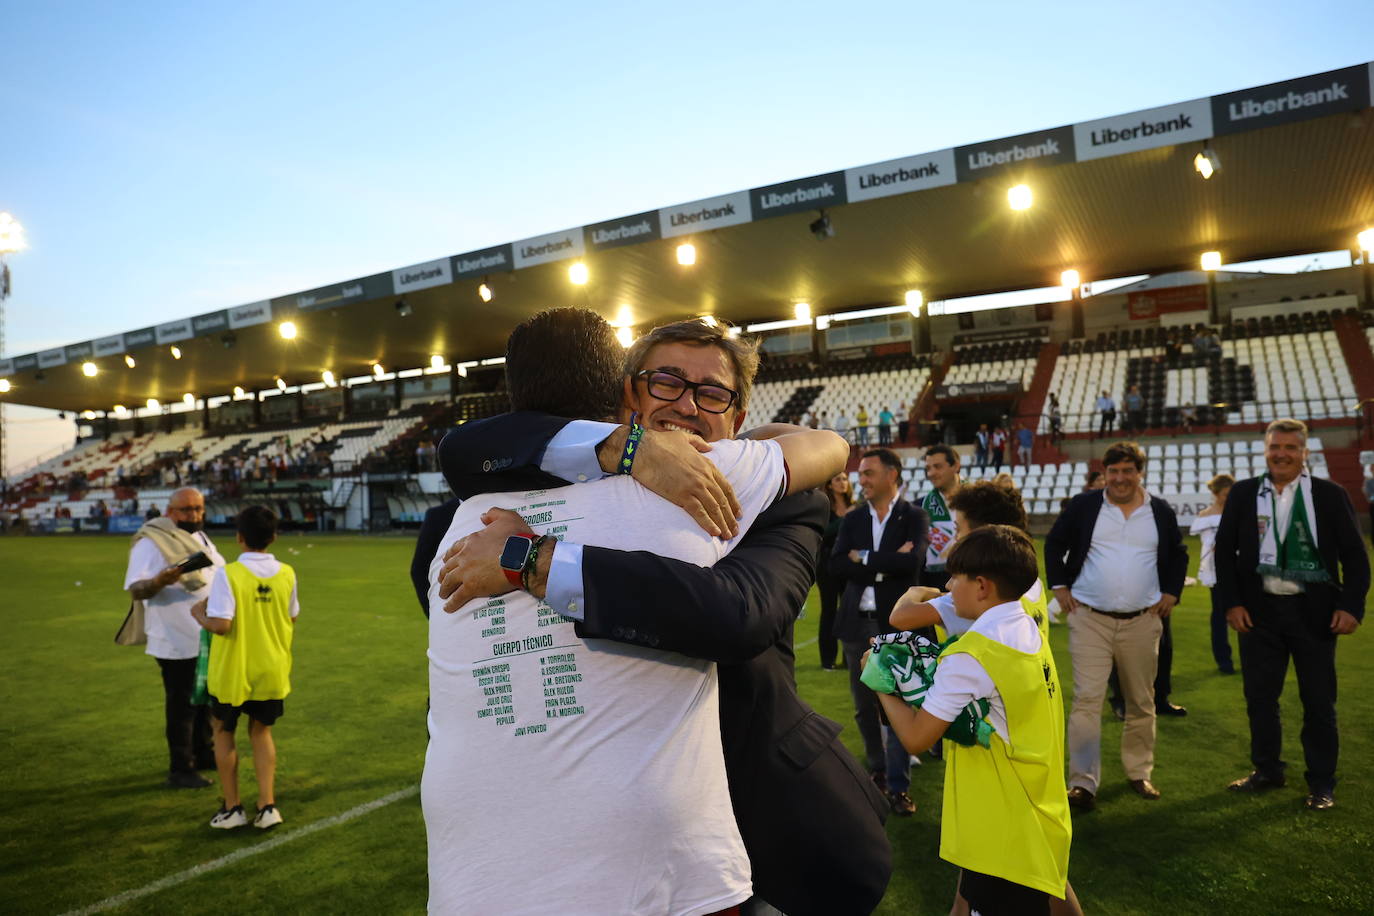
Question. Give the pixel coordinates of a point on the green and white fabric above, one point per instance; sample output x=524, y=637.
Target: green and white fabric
x=1292, y=554
x=903, y=664
x=941, y=529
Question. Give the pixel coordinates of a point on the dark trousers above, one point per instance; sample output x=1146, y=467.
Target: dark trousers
x=884, y=434
x=1108, y=421
x=1221, y=636
x=1371, y=522
x=904, y=427
x=882, y=756
x=1164, y=670
x=189, y=739
x=830, y=602
x=1284, y=628
x=997, y=457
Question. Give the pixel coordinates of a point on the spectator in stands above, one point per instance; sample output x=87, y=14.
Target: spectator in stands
x=1187, y=417
x=885, y=421
x=903, y=424
x=942, y=474
x=1106, y=409
x=840, y=493
x=1056, y=420
x=825, y=420
x=880, y=550
x=1025, y=443
x=980, y=446
x=997, y=446
x=861, y=427
x=1205, y=527
x=167, y=595
x=842, y=426
x=1369, y=497
x=1282, y=538
x=1135, y=410
x=1116, y=563
x=151, y=513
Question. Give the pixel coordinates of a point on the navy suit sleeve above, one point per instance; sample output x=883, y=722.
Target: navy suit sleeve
x=917, y=531
x=726, y=613
x=1175, y=569
x=1057, y=545
x=1354, y=561
x=499, y=454
x=1225, y=559
x=432, y=530
x=840, y=564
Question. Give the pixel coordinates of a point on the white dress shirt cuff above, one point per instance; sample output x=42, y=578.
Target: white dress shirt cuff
x=571, y=453
x=563, y=591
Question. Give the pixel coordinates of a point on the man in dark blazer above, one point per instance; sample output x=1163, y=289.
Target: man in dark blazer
x=432, y=530
x=1116, y=561
x=879, y=552
x=1290, y=589
x=810, y=818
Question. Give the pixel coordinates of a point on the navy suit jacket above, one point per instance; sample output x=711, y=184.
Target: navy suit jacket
x=907, y=522
x=432, y=531
x=1338, y=541
x=1067, y=544
x=810, y=817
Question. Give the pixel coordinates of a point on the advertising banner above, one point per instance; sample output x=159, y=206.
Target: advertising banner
x=1151, y=303
x=173, y=331
x=626, y=230
x=978, y=389
x=1027, y=333
x=1141, y=130
x=211, y=322
x=1045, y=147
x=244, y=316
x=422, y=276
x=1291, y=100
x=901, y=176
x=75, y=352
x=1187, y=505
x=545, y=249
x=802, y=194
x=25, y=362
x=109, y=346
x=49, y=359
x=487, y=261
x=6, y=367
x=702, y=215
x=124, y=524
x=141, y=338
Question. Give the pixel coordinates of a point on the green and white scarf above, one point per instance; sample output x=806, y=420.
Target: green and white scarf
x=1294, y=556
x=941, y=529
x=903, y=664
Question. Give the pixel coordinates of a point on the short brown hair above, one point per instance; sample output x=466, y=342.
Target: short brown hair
x=565, y=362
x=1221, y=482
x=1287, y=425
x=1124, y=451
x=744, y=354
x=951, y=456
x=1001, y=554
x=985, y=503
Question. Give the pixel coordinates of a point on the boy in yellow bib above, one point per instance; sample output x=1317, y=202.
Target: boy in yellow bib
x=1005, y=820
x=251, y=610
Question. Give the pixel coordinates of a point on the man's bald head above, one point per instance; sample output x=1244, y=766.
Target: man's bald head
x=186, y=507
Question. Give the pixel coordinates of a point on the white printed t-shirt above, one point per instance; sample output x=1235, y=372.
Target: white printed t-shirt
x=572, y=776
x=172, y=631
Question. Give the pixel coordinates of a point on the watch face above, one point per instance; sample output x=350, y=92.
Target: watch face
x=514, y=554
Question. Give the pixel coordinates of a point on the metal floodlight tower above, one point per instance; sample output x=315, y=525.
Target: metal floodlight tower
x=11, y=240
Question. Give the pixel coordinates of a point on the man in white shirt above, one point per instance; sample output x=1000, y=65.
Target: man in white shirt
x=173, y=636
x=1115, y=560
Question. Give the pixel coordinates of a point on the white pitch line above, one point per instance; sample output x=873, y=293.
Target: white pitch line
x=809, y=642
x=196, y=871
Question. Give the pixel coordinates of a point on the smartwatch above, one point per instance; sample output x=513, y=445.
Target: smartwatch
x=515, y=555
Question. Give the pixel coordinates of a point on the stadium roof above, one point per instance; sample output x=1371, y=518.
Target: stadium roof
x=1112, y=197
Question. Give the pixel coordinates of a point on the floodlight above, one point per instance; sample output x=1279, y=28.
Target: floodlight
x=802, y=311
x=89, y=369
x=914, y=301
x=327, y=377
x=130, y=361
x=176, y=352
x=484, y=292
x=686, y=254
x=1019, y=197
x=11, y=235
x=281, y=383
x=822, y=322
x=377, y=370
x=626, y=336
x=1366, y=240
x=4, y=385
x=436, y=362
x=238, y=392
x=1070, y=279
x=153, y=404
x=1211, y=260
x=189, y=399
x=578, y=274
x=1207, y=163
x=287, y=330
x=88, y=414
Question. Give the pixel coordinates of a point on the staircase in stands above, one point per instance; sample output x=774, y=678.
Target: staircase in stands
x=1344, y=463
x=1032, y=404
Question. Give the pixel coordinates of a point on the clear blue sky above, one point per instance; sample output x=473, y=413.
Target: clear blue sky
x=170, y=159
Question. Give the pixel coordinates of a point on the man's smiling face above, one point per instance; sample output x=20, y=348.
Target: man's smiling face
x=706, y=364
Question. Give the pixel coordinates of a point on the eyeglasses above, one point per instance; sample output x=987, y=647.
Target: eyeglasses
x=669, y=386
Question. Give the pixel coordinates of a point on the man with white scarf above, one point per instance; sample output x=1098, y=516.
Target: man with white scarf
x=1283, y=538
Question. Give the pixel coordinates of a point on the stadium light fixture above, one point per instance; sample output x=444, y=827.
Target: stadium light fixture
x=462, y=371
x=1366, y=240
x=802, y=311
x=914, y=300
x=686, y=254
x=281, y=383
x=624, y=316
x=436, y=362
x=11, y=235
x=822, y=228
x=4, y=385
x=626, y=336
x=484, y=291
x=188, y=399
x=130, y=361
x=1019, y=197
x=327, y=377
x=89, y=369
x=403, y=308
x=229, y=339
x=1211, y=260
x=822, y=322
x=175, y=351
x=88, y=414
x=1070, y=280
x=287, y=330
x=1207, y=163
x=578, y=274
x=377, y=370
x=238, y=392
x=120, y=410
x=153, y=404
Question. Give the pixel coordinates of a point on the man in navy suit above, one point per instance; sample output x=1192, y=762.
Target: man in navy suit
x=879, y=551
x=1282, y=539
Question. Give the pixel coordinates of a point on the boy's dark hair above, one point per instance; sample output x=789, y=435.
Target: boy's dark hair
x=696, y=332
x=565, y=362
x=887, y=456
x=1124, y=451
x=257, y=525
x=985, y=503
x=999, y=553
x=951, y=456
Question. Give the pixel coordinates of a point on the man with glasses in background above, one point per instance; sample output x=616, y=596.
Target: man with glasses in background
x=167, y=593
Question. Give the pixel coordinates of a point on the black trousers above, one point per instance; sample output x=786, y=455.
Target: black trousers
x=1221, y=636
x=189, y=739
x=1282, y=628
x=829, y=646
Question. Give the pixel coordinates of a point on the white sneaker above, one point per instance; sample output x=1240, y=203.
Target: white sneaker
x=228, y=820
x=267, y=817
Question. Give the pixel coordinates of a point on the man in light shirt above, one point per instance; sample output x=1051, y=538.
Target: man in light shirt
x=1116, y=561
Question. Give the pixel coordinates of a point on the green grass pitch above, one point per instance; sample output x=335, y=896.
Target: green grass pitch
x=85, y=816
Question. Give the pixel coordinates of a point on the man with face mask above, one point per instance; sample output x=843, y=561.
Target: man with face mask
x=173, y=637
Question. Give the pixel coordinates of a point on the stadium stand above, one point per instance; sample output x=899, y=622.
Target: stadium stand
x=1012, y=361
x=839, y=388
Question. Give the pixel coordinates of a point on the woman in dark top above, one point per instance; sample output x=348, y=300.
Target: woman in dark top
x=841, y=495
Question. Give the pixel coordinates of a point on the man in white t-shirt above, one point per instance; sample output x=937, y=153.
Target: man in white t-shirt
x=173, y=636
x=540, y=739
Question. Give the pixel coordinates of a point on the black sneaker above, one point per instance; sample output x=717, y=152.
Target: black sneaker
x=186, y=779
